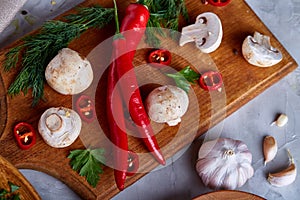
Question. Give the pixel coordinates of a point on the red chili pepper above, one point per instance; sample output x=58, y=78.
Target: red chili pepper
x=133, y=163
x=159, y=58
x=116, y=119
x=211, y=80
x=133, y=28
x=85, y=108
x=219, y=2
x=25, y=135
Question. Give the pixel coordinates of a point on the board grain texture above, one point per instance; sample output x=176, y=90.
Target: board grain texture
x=242, y=82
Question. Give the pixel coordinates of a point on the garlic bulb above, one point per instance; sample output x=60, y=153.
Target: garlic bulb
x=269, y=148
x=224, y=163
x=284, y=177
x=59, y=127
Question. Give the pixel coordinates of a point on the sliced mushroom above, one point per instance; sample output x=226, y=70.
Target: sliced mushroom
x=206, y=32
x=68, y=73
x=167, y=104
x=59, y=127
x=257, y=50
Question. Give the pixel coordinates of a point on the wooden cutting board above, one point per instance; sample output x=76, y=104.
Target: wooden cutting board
x=228, y=194
x=242, y=82
x=8, y=173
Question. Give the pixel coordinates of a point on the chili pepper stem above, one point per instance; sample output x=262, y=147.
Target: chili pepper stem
x=117, y=35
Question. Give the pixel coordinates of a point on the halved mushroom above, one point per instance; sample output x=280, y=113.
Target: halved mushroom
x=68, y=73
x=257, y=50
x=59, y=127
x=206, y=32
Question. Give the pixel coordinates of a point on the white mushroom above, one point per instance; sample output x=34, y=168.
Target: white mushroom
x=257, y=50
x=68, y=73
x=59, y=127
x=206, y=32
x=167, y=104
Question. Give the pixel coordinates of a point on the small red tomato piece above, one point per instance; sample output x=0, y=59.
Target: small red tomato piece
x=85, y=108
x=211, y=80
x=160, y=58
x=133, y=163
x=25, y=135
x=219, y=2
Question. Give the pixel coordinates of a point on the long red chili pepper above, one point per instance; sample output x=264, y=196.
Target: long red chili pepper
x=116, y=121
x=133, y=28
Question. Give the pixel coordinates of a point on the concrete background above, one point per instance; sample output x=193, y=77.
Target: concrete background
x=179, y=180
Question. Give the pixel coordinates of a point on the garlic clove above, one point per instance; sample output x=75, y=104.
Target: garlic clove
x=281, y=121
x=269, y=148
x=284, y=177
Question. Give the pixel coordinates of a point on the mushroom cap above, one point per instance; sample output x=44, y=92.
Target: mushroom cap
x=68, y=73
x=257, y=50
x=167, y=104
x=59, y=127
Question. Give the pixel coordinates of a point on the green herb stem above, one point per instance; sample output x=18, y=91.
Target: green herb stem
x=38, y=50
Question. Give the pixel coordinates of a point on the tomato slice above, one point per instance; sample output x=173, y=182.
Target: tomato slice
x=133, y=163
x=25, y=135
x=211, y=80
x=219, y=2
x=85, y=108
x=160, y=58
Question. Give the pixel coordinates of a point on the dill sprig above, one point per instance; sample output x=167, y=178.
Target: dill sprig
x=163, y=14
x=38, y=50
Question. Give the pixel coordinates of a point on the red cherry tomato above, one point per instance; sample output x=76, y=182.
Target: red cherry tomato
x=211, y=80
x=85, y=108
x=25, y=135
x=160, y=58
x=133, y=163
x=219, y=2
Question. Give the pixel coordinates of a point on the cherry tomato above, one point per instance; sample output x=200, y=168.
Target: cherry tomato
x=160, y=58
x=25, y=135
x=85, y=108
x=133, y=163
x=219, y=2
x=211, y=80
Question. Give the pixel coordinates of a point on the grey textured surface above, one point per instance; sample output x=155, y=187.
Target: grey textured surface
x=179, y=180
x=9, y=8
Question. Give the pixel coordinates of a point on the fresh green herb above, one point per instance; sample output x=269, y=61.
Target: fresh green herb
x=184, y=77
x=10, y=194
x=88, y=163
x=37, y=51
x=163, y=14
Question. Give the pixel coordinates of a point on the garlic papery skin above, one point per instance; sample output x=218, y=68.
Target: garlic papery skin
x=59, y=127
x=224, y=163
x=269, y=148
x=284, y=177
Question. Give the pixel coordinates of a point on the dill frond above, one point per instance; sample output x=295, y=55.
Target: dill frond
x=39, y=49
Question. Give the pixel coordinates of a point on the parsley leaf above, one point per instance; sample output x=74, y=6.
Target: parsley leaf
x=88, y=163
x=184, y=77
x=11, y=194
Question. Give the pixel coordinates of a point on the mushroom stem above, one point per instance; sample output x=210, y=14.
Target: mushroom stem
x=54, y=122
